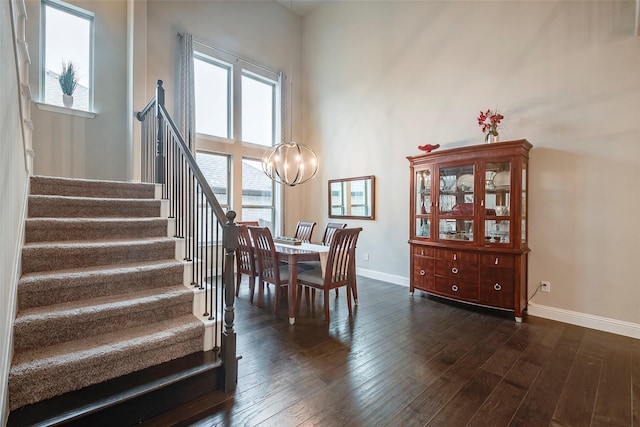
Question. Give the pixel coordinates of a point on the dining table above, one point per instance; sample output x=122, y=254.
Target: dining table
x=292, y=255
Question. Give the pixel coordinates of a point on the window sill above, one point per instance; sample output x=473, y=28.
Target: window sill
x=65, y=110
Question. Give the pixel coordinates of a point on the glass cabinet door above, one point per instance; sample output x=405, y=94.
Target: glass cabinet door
x=424, y=202
x=456, y=203
x=497, y=203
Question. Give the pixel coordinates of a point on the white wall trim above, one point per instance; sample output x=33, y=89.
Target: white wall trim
x=391, y=278
x=637, y=18
x=587, y=320
x=591, y=321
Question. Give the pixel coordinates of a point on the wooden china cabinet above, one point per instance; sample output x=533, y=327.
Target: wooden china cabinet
x=468, y=224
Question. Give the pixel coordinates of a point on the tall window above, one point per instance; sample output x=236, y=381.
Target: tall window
x=238, y=114
x=257, y=194
x=67, y=33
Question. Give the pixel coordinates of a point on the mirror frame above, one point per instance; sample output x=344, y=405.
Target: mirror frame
x=343, y=181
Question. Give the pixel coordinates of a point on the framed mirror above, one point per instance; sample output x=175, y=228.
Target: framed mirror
x=352, y=197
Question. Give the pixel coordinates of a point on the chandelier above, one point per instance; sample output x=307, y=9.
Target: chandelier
x=290, y=163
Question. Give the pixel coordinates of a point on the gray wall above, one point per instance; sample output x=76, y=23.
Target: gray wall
x=79, y=147
x=384, y=77
x=13, y=190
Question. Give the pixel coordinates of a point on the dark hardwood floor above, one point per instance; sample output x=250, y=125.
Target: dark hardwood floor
x=418, y=361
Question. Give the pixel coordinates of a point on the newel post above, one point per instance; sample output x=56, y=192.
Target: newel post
x=228, y=345
x=159, y=134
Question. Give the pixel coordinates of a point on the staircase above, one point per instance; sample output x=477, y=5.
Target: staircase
x=101, y=295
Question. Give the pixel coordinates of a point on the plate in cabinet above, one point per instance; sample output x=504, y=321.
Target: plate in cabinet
x=502, y=179
x=465, y=182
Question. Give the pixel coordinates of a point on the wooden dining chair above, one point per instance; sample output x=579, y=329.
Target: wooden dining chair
x=269, y=269
x=245, y=261
x=304, y=230
x=330, y=230
x=339, y=271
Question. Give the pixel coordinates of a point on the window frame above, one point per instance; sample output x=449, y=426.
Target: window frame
x=235, y=146
x=80, y=13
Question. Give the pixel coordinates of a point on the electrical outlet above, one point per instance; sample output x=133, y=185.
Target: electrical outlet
x=365, y=257
x=545, y=286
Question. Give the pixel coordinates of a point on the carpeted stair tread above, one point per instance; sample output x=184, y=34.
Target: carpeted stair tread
x=52, y=287
x=47, y=206
x=100, y=228
x=90, y=188
x=78, y=254
x=69, y=321
x=42, y=373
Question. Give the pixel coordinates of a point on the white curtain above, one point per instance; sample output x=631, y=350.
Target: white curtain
x=186, y=92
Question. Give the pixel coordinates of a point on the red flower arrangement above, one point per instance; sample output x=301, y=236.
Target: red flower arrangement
x=489, y=121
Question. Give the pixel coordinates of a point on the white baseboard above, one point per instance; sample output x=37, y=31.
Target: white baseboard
x=391, y=278
x=599, y=323
x=586, y=320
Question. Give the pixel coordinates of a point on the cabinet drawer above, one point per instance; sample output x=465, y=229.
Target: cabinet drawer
x=497, y=260
x=497, y=286
x=423, y=273
x=459, y=289
x=457, y=270
x=450, y=255
x=423, y=250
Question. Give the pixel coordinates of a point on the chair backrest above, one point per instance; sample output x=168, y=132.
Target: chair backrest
x=268, y=267
x=342, y=255
x=330, y=230
x=304, y=230
x=245, y=258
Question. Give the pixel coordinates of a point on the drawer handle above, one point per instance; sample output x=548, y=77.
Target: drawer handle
x=454, y=288
x=422, y=272
x=496, y=261
x=422, y=252
x=497, y=286
x=455, y=257
x=454, y=270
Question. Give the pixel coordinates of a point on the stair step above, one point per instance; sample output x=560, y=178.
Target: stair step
x=91, y=188
x=45, y=372
x=46, y=206
x=129, y=399
x=54, y=287
x=65, y=229
x=52, y=325
x=56, y=256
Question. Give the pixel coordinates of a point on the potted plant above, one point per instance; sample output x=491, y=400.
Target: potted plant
x=68, y=79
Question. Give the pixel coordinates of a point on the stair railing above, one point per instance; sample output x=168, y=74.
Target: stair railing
x=199, y=219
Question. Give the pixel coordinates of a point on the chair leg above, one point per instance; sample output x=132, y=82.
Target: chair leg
x=349, y=300
x=276, y=295
x=260, y=291
x=252, y=287
x=354, y=286
x=238, y=280
x=326, y=306
x=307, y=296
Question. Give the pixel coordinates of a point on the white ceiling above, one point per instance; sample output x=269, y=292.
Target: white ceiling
x=301, y=7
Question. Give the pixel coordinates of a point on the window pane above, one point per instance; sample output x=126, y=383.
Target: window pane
x=257, y=111
x=211, y=81
x=257, y=188
x=215, y=168
x=67, y=38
